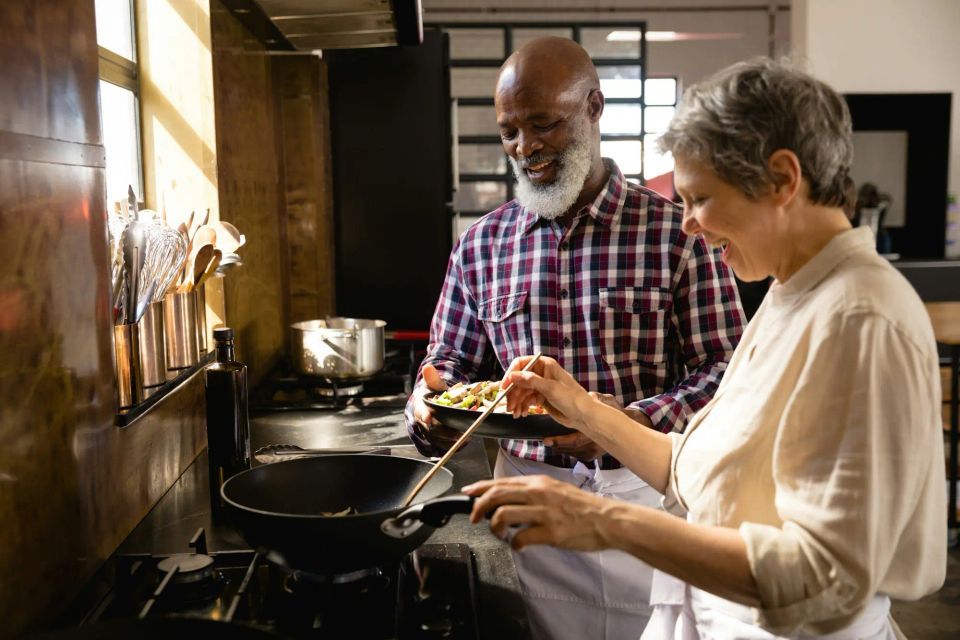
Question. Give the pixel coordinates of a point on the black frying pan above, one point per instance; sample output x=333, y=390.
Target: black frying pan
x=280, y=507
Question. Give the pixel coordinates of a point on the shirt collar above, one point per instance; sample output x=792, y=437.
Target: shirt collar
x=841, y=247
x=605, y=208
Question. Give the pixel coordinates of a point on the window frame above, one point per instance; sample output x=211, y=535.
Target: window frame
x=575, y=28
x=125, y=73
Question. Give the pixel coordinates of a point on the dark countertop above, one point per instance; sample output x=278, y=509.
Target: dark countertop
x=185, y=507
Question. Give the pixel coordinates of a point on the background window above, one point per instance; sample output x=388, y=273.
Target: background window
x=637, y=110
x=119, y=98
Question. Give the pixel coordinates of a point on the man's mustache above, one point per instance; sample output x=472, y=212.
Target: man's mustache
x=537, y=158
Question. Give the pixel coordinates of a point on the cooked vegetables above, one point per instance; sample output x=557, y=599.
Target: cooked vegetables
x=477, y=397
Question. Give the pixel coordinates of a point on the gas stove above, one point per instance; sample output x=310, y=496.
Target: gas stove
x=184, y=572
x=429, y=594
x=287, y=391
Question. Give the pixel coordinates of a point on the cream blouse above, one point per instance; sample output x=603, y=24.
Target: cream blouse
x=823, y=443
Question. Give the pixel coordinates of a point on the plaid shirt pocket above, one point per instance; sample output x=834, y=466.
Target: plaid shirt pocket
x=633, y=324
x=505, y=319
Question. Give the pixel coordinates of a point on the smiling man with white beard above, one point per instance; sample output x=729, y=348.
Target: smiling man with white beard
x=553, y=199
x=595, y=272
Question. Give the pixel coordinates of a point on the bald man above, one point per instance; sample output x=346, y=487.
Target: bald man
x=595, y=272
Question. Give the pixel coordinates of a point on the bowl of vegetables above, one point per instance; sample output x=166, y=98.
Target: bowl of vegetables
x=460, y=405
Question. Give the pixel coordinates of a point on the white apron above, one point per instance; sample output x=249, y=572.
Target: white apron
x=704, y=616
x=584, y=595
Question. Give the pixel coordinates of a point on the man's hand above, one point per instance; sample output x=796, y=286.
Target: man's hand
x=612, y=401
x=438, y=435
x=583, y=448
x=608, y=399
x=577, y=445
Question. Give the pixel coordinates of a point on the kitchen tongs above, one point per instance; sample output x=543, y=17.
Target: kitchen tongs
x=463, y=438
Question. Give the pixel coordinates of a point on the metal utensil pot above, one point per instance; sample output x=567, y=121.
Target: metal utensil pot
x=338, y=348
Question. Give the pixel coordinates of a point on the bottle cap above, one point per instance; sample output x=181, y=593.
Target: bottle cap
x=223, y=334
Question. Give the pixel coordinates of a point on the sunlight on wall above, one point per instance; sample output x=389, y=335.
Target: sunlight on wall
x=177, y=107
x=177, y=112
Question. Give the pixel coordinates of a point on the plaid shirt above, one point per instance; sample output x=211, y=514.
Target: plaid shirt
x=622, y=299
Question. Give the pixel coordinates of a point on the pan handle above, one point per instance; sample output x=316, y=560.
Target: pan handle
x=434, y=513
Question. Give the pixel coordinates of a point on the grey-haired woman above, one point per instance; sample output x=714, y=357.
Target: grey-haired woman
x=813, y=481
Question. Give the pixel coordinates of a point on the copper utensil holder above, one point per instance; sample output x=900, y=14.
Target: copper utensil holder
x=153, y=356
x=201, y=303
x=180, y=324
x=126, y=340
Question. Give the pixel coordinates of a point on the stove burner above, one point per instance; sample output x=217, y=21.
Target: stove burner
x=191, y=567
x=431, y=593
x=306, y=577
x=289, y=391
x=294, y=578
x=338, y=390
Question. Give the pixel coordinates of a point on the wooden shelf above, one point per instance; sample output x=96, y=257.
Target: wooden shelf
x=126, y=417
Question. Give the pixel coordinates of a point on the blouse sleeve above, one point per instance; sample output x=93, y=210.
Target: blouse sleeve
x=671, y=502
x=851, y=463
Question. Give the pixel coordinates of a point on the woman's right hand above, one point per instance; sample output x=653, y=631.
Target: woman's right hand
x=549, y=385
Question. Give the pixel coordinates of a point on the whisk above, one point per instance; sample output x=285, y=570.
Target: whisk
x=166, y=252
x=116, y=225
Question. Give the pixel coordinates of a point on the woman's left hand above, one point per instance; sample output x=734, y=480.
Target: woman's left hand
x=553, y=512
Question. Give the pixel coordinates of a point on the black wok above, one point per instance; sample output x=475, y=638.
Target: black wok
x=281, y=506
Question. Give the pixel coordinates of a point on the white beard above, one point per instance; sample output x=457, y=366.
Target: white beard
x=550, y=201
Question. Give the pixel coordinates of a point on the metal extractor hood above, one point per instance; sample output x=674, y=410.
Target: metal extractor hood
x=308, y=25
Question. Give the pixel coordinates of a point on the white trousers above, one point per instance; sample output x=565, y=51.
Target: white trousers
x=584, y=595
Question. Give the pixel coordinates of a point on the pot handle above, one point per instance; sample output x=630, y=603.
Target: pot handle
x=434, y=513
x=339, y=333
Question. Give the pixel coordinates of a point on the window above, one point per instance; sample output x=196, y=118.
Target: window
x=637, y=110
x=659, y=104
x=119, y=97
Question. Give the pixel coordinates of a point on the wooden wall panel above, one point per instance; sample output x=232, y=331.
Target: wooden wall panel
x=249, y=178
x=305, y=132
x=72, y=485
x=46, y=69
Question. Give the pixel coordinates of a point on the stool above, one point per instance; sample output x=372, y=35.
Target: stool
x=945, y=318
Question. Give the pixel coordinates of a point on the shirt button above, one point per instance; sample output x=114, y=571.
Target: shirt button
x=566, y=342
x=636, y=305
x=564, y=246
x=564, y=293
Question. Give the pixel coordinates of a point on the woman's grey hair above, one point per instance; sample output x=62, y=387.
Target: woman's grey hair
x=736, y=119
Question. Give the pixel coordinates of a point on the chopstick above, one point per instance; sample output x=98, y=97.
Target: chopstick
x=463, y=438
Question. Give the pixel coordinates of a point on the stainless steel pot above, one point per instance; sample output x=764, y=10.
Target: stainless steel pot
x=338, y=348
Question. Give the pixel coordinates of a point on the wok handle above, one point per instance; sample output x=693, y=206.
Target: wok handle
x=437, y=512
x=433, y=513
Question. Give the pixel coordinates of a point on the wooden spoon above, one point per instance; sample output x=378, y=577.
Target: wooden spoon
x=205, y=235
x=201, y=260
x=211, y=268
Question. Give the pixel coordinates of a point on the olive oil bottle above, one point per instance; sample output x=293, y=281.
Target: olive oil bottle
x=228, y=422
